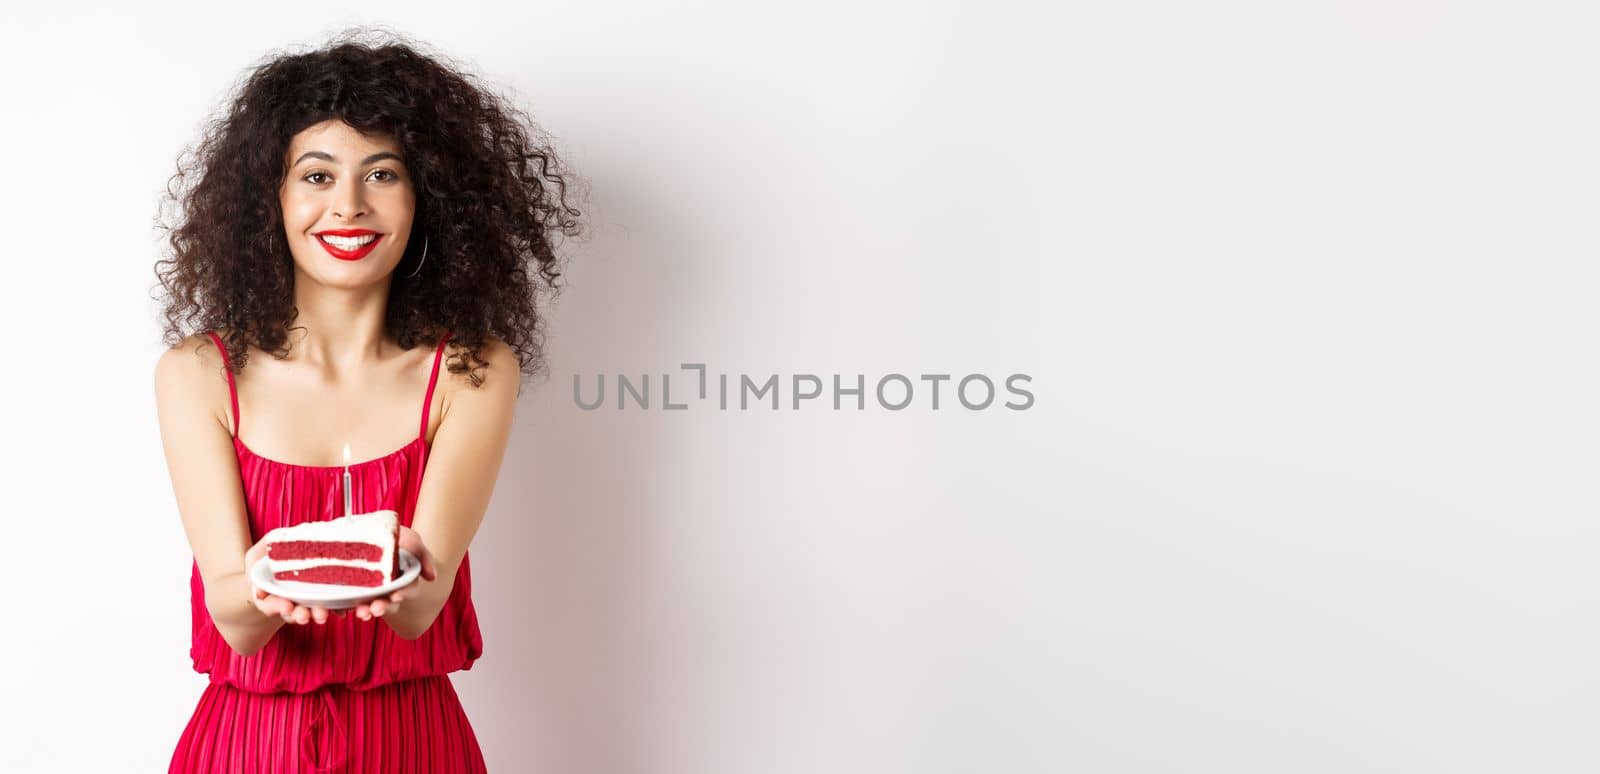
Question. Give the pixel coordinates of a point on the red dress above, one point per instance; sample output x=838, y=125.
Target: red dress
x=344, y=696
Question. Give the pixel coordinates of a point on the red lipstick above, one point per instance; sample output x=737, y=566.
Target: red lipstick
x=344, y=254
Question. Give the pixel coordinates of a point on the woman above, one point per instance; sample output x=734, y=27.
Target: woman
x=359, y=246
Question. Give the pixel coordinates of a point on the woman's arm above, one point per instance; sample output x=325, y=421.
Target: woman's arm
x=205, y=479
x=462, y=467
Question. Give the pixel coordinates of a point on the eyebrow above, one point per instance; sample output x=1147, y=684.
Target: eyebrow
x=329, y=157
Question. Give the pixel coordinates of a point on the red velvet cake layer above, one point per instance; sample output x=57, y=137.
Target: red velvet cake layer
x=335, y=574
x=323, y=549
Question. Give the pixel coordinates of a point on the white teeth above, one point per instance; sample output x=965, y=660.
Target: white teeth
x=347, y=243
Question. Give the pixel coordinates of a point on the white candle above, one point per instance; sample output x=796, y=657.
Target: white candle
x=347, y=479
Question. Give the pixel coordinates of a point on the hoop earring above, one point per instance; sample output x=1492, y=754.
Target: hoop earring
x=424, y=259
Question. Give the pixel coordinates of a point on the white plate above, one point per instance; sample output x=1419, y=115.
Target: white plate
x=329, y=596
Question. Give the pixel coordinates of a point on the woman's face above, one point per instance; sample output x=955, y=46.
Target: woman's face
x=347, y=205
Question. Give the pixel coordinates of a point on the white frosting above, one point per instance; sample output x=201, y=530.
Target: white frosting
x=289, y=565
x=377, y=528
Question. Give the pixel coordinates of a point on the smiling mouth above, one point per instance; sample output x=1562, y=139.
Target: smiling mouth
x=348, y=248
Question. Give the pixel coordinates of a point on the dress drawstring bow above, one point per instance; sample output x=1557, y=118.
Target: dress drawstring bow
x=332, y=738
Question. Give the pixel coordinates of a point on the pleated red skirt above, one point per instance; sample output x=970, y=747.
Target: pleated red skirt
x=410, y=726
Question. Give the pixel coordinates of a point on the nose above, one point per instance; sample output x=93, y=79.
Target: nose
x=348, y=203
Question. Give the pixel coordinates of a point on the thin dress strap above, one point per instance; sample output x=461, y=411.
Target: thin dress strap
x=433, y=379
x=227, y=368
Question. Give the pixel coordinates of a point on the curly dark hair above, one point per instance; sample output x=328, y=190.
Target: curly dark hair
x=489, y=198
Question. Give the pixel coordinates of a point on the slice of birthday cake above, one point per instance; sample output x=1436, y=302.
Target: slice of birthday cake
x=357, y=550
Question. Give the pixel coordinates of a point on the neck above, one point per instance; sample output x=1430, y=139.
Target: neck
x=343, y=327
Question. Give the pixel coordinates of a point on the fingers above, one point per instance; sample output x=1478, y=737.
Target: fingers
x=377, y=608
x=266, y=603
x=297, y=615
x=300, y=614
x=367, y=611
x=293, y=613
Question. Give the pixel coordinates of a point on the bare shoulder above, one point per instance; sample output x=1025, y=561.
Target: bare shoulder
x=184, y=365
x=493, y=400
x=503, y=371
x=190, y=375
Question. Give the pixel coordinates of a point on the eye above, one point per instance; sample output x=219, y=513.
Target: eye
x=391, y=176
x=308, y=179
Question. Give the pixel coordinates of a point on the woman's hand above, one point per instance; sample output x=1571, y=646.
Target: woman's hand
x=410, y=541
x=278, y=606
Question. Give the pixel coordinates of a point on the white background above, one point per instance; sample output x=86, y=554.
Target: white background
x=1305, y=289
